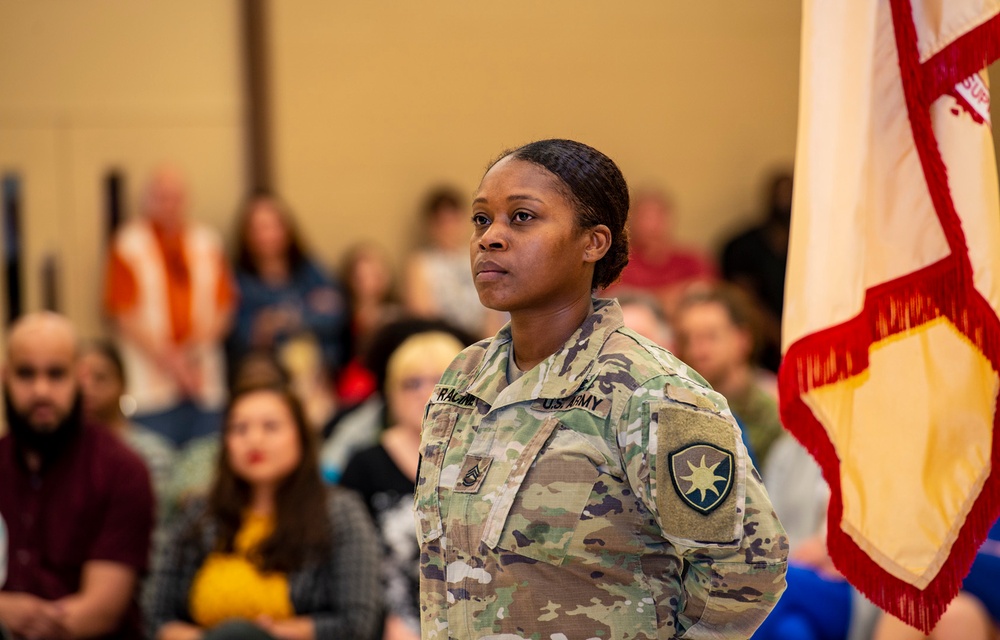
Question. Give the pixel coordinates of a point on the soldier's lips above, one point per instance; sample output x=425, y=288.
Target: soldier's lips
x=489, y=271
x=490, y=276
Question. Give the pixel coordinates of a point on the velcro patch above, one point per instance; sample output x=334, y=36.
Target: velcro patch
x=473, y=472
x=697, y=470
x=594, y=403
x=450, y=395
x=687, y=396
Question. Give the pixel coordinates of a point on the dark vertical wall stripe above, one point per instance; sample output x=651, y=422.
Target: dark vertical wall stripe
x=258, y=117
x=12, y=255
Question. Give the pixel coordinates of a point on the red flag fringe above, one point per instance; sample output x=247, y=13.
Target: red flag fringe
x=841, y=352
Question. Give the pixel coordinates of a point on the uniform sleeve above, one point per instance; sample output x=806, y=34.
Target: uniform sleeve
x=127, y=526
x=685, y=458
x=354, y=565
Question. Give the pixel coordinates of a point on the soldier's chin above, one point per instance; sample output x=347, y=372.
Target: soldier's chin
x=492, y=302
x=498, y=300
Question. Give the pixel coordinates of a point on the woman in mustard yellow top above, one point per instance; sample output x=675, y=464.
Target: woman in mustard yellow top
x=271, y=553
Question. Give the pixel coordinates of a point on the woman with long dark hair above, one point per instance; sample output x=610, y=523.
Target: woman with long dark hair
x=284, y=292
x=271, y=552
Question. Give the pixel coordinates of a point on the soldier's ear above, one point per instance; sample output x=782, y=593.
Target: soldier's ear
x=598, y=242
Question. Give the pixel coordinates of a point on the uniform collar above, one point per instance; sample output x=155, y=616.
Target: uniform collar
x=559, y=375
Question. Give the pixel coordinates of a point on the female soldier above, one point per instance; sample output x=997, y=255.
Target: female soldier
x=577, y=481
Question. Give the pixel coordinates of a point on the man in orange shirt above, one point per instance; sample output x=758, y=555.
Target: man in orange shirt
x=170, y=295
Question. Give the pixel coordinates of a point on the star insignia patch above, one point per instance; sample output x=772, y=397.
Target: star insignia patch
x=702, y=475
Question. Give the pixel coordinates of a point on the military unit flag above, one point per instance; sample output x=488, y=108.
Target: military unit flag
x=891, y=336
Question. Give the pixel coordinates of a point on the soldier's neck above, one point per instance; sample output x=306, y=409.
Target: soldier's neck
x=537, y=334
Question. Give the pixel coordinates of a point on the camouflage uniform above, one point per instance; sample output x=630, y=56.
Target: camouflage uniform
x=568, y=504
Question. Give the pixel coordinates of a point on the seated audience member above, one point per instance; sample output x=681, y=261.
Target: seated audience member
x=170, y=296
x=438, y=278
x=643, y=314
x=102, y=383
x=384, y=474
x=284, y=293
x=983, y=578
x=368, y=283
x=657, y=265
x=77, y=502
x=371, y=295
x=974, y=614
x=754, y=260
x=360, y=427
x=715, y=335
x=195, y=465
x=308, y=379
x=818, y=603
x=272, y=553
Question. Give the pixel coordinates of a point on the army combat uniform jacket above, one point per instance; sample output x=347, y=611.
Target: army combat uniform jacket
x=604, y=494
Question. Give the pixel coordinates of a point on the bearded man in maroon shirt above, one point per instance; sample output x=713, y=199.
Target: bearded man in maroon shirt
x=77, y=502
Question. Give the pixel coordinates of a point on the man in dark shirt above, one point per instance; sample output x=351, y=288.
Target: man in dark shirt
x=77, y=503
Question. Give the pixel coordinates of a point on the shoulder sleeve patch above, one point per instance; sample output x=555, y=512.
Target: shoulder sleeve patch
x=699, y=474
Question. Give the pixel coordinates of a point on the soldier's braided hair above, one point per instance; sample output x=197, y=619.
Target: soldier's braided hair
x=596, y=188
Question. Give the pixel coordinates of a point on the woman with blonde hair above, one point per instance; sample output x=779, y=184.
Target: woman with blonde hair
x=384, y=474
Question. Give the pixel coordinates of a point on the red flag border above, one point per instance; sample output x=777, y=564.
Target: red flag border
x=944, y=289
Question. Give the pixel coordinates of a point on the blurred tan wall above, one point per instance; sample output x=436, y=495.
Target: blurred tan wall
x=87, y=86
x=374, y=102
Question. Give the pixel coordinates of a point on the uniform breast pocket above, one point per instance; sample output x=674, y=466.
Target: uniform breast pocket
x=539, y=508
x=437, y=430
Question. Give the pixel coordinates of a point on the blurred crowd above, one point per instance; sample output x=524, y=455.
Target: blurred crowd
x=239, y=460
